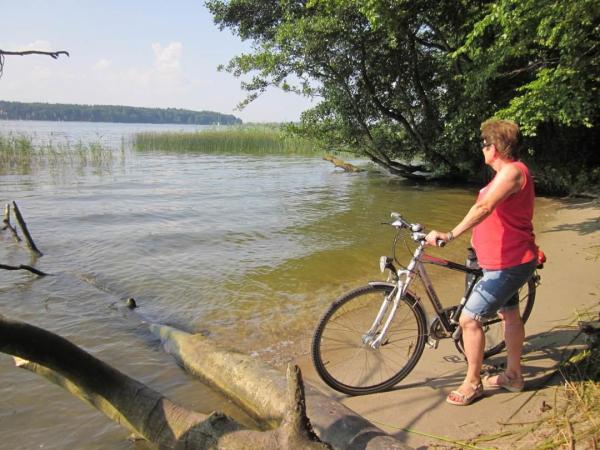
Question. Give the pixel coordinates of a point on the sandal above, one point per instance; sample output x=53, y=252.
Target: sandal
x=505, y=382
x=460, y=399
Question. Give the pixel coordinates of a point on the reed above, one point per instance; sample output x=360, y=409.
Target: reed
x=254, y=140
x=18, y=155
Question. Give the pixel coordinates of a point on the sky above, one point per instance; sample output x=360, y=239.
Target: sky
x=147, y=53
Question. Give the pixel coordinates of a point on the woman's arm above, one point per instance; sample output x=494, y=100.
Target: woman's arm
x=508, y=181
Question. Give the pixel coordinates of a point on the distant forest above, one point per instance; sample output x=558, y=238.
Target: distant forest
x=111, y=113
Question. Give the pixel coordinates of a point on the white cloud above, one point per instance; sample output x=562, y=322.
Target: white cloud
x=167, y=59
x=102, y=64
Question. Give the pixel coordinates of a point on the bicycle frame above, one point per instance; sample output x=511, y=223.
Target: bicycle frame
x=404, y=278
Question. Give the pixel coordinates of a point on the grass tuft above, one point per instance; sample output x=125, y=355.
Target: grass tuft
x=18, y=155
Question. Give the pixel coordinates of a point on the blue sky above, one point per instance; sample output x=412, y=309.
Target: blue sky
x=130, y=52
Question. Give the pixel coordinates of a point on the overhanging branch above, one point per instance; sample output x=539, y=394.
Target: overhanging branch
x=4, y=53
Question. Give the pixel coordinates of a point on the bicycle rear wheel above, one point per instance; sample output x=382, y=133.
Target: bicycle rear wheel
x=348, y=365
x=493, y=328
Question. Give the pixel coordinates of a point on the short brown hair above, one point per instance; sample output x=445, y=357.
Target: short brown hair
x=504, y=134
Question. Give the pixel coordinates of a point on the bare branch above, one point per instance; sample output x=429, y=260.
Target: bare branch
x=4, y=53
x=54, y=55
x=7, y=224
x=23, y=267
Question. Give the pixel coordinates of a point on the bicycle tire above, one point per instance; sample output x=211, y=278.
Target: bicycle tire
x=493, y=329
x=348, y=365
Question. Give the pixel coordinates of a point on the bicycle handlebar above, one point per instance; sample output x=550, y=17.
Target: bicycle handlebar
x=417, y=229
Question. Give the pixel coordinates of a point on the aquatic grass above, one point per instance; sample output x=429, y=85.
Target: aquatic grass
x=254, y=140
x=18, y=155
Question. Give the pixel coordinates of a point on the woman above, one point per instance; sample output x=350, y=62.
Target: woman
x=504, y=242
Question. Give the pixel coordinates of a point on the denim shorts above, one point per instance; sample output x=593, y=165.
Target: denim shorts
x=497, y=291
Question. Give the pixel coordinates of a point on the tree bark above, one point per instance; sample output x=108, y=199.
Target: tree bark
x=260, y=390
x=141, y=409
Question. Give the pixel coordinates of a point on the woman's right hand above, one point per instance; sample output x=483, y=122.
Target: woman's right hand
x=434, y=236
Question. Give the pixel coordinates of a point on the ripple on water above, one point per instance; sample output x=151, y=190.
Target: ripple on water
x=248, y=250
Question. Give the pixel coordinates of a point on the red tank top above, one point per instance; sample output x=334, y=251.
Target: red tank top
x=505, y=238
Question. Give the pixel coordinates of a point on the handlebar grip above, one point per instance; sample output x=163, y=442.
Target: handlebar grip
x=440, y=242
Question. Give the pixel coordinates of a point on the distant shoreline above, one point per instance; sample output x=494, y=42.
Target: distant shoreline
x=58, y=112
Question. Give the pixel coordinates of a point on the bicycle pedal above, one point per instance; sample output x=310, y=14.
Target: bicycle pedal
x=433, y=343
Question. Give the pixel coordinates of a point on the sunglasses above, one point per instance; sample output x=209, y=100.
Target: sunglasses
x=484, y=145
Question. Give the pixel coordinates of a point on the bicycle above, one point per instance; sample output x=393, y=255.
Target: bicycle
x=370, y=338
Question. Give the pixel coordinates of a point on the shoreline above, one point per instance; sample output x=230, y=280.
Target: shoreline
x=557, y=221
x=415, y=410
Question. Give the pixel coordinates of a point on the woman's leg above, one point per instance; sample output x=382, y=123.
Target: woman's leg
x=474, y=343
x=473, y=340
x=514, y=336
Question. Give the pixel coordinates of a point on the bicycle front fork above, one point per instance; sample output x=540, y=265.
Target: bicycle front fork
x=376, y=334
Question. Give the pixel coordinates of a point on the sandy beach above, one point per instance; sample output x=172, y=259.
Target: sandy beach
x=415, y=411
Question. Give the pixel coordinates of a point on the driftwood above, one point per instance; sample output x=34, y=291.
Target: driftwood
x=24, y=267
x=23, y=225
x=342, y=164
x=7, y=224
x=260, y=390
x=141, y=409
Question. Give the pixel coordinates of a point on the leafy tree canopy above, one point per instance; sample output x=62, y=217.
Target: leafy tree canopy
x=543, y=55
x=407, y=82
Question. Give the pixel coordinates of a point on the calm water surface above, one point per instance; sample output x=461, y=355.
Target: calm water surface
x=247, y=250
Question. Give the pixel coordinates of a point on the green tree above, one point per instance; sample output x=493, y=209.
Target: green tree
x=386, y=86
x=536, y=61
x=539, y=59
x=406, y=82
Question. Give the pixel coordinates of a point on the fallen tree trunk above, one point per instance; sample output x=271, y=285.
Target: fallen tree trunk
x=141, y=409
x=260, y=389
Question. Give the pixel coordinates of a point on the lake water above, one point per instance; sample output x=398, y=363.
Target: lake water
x=248, y=250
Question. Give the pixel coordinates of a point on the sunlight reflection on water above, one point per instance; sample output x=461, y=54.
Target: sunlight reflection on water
x=247, y=249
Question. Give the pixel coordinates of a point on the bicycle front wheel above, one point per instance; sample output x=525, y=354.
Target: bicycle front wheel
x=346, y=363
x=494, y=329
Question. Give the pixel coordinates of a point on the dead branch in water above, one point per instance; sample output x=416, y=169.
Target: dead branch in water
x=7, y=224
x=23, y=267
x=342, y=164
x=23, y=225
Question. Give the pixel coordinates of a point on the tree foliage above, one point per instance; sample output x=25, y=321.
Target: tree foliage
x=543, y=55
x=407, y=82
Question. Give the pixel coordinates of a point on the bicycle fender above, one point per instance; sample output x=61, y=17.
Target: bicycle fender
x=382, y=284
x=409, y=294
